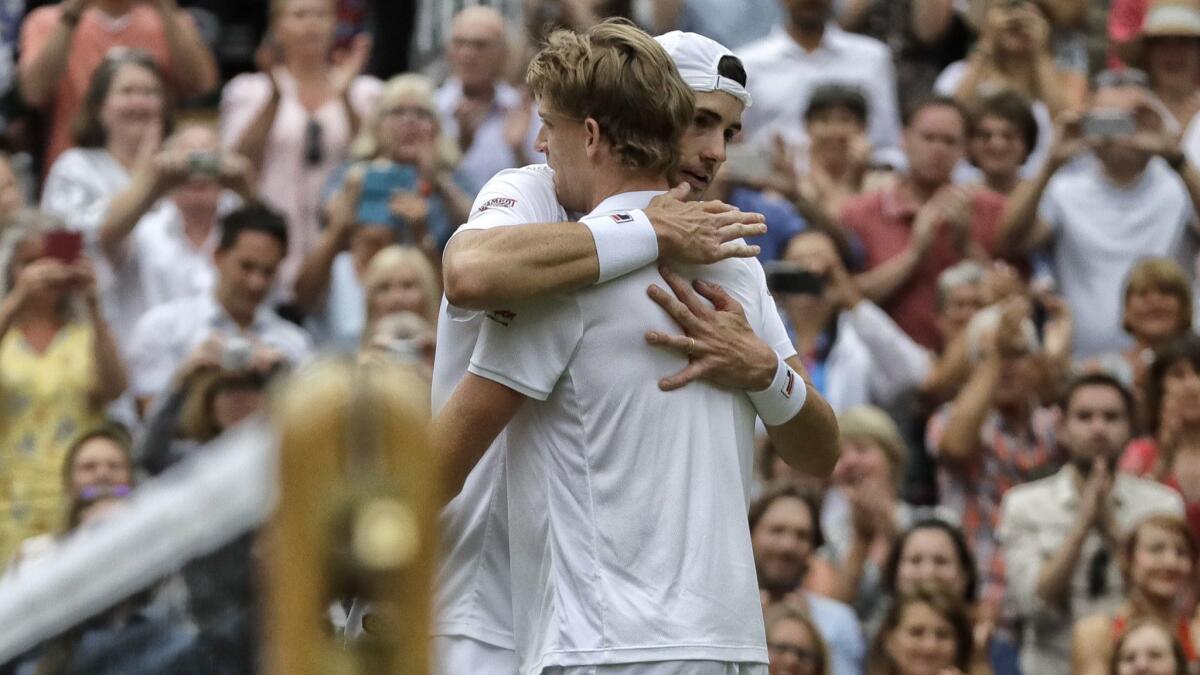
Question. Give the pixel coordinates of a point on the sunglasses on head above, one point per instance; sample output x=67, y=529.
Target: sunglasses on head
x=313, y=150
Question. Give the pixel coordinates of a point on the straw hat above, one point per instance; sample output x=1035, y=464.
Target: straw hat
x=1164, y=18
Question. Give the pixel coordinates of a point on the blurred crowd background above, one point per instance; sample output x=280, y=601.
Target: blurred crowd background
x=983, y=241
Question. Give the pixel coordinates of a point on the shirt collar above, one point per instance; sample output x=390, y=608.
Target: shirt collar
x=1067, y=496
x=216, y=317
x=831, y=41
x=625, y=201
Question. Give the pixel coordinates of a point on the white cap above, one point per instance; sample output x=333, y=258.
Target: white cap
x=697, y=58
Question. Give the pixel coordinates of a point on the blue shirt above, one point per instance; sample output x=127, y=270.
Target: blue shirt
x=783, y=222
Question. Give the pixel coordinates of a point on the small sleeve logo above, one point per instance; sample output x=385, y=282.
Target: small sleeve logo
x=622, y=218
x=789, y=384
x=502, y=316
x=498, y=203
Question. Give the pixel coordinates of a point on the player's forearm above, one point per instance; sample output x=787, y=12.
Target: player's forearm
x=471, y=420
x=487, y=269
x=808, y=441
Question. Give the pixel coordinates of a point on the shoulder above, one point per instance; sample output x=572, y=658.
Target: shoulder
x=950, y=77
x=1149, y=495
x=863, y=207
x=763, y=50
x=861, y=45
x=831, y=613
x=1032, y=495
x=40, y=19
x=247, y=84
x=365, y=89
x=522, y=189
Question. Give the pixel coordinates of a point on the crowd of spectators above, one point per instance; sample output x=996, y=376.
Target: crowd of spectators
x=982, y=240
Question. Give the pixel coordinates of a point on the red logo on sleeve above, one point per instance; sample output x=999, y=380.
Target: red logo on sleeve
x=622, y=218
x=502, y=316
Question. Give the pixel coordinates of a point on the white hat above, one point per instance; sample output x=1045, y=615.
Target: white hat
x=697, y=58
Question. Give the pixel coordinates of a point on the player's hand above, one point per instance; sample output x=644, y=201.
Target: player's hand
x=701, y=232
x=718, y=341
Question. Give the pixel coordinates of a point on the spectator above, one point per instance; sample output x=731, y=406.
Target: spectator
x=1171, y=452
x=785, y=530
x=1013, y=54
x=913, y=231
x=932, y=552
x=159, y=233
x=12, y=195
x=63, y=45
x=809, y=50
x=1148, y=648
x=1004, y=133
x=1158, y=560
x=295, y=119
x=332, y=284
x=1132, y=196
x=1157, y=308
x=927, y=630
x=995, y=434
x=862, y=513
x=400, y=280
x=1059, y=534
x=492, y=122
x=97, y=463
x=853, y=357
x=794, y=644
x=59, y=367
x=1167, y=48
x=123, y=119
x=253, y=242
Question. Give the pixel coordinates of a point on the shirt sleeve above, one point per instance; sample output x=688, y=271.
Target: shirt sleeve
x=770, y=325
x=151, y=355
x=528, y=349
x=1020, y=541
x=35, y=31
x=902, y=364
x=515, y=197
x=1049, y=208
x=73, y=194
x=241, y=101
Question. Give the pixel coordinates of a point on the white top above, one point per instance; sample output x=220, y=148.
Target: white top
x=782, y=75
x=472, y=596
x=286, y=181
x=488, y=154
x=80, y=185
x=1034, y=521
x=165, y=336
x=628, y=534
x=945, y=85
x=160, y=264
x=1100, y=231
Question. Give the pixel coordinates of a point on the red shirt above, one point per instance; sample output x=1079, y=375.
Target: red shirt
x=883, y=223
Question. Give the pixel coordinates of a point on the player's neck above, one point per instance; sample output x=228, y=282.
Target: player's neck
x=614, y=183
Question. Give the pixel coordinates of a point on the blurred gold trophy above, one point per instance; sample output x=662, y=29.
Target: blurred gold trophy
x=355, y=519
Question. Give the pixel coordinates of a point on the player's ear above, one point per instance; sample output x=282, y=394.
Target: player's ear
x=591, y=130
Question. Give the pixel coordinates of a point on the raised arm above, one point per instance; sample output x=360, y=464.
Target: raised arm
x=111, y=379
x=1021, y=228
x=157, y=176
x=486, y=269
x=42, y=66
x=881, y=282
x=194, y=70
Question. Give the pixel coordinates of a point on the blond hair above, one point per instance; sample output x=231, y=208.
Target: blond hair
x=396, y=257
x=409, y=89
x=620, y=77
x=1165, y=276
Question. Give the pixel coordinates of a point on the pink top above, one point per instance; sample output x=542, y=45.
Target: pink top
x=288, y=183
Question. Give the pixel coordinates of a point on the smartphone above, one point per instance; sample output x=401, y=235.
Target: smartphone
x=379, y=182
x=748, y=162
x=791, y=280
x=63, y=245
x=1108, y=124
x=204, y=164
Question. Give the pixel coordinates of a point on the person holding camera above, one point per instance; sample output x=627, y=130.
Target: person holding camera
x=1133, y=194
x=59, y=368
x=251, y=248
x=159, y=233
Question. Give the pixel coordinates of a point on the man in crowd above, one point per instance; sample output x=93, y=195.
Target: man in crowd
x=785, y=529
x=62, y=44
x=809, y=50
x=1133, y=195
x=1061, y=536
x=162, y=249
x=590, y=163
x=492, y=122
x=924, y=224
x=252, y=244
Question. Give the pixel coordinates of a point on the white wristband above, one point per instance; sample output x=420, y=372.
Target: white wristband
x=625, y=241
x=781, y=401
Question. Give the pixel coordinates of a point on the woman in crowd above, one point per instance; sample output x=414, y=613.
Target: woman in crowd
x=1171, y=451
x=1167, y=49
x=794, y=644
x=59, y=368
x=294, y=120
x=1013, y=54
x=401, y=309
x=125, y=116
x=1158, y=561
x=931, y=552
x=1158, y=308
x=927, y=631
x=1148, y=648
x=1004, y=133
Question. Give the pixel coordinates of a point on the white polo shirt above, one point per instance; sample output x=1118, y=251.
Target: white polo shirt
x=472, y=597
x=627, y=504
